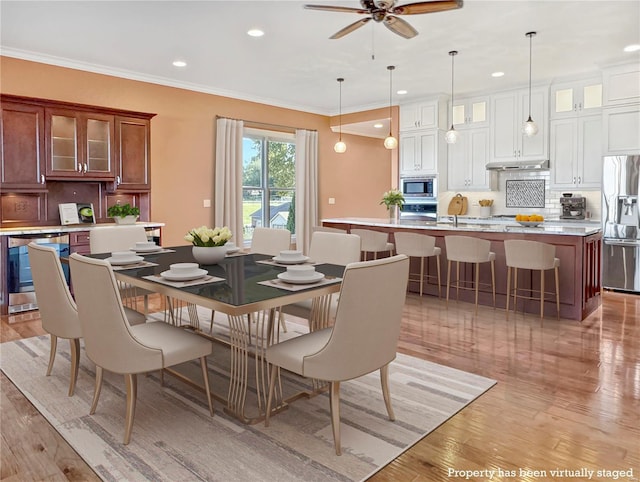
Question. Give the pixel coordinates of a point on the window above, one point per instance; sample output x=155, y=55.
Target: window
x=268, y=180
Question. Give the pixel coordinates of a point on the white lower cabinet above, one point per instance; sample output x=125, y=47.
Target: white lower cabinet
x=467, y=160
x=420, y=152
x=576, y=152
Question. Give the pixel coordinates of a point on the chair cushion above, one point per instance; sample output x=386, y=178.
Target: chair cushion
x=177, y=345
x=290, y=354
x=134, y=317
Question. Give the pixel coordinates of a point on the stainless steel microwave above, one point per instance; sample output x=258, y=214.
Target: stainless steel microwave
x=419, y=187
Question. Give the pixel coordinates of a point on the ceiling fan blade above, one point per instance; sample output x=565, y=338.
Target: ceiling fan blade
x=350, y=28
x=328, y=8
x=426, y=7
x=399, y=26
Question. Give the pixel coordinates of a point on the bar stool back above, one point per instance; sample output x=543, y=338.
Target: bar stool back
x=418, y=246
x=373, y=242
x=466, y=249
x=532, y=255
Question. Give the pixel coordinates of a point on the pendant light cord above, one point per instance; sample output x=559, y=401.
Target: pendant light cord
x=390, y=69
x=530, y=35
x=453, y=53
x=340, y=80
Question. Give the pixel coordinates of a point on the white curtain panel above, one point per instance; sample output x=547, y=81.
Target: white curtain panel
x=306, y=187
x=228, y=177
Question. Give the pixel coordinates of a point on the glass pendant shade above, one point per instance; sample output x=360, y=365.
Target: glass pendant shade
x=452, y=135
x=530, y=128
x=340, y=147
x=390, y=142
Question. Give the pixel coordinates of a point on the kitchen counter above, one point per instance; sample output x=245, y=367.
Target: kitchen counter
x=578, y=247
x=500, y=225
x=72, y=228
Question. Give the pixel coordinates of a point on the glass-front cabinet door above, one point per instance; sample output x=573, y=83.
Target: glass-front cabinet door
x=79, y=144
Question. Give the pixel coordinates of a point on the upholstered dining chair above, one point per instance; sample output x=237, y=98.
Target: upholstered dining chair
x=327, y=247
x=327, y=229
x=107, y=239
x=57, y=308
x=115, y=345
x=373, y=242
x=363, y=338
x=270, y=241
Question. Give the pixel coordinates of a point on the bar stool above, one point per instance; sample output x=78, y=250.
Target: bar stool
x=532, y=255
x=373, y=242
x=418, y=246
x=466, y=249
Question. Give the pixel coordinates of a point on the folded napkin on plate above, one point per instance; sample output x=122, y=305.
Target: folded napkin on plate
x=278, y=283
x=139, y=264
x=183, y=284
x=283, y=265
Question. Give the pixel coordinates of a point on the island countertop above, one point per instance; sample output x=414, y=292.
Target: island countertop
x=568, y=228
x=71, y=228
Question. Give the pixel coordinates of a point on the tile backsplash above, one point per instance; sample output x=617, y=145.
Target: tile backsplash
x=551, y=207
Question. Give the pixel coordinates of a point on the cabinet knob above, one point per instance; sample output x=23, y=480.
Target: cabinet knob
x=574, y=180
x=118, y=182
x=84, y=168
x=42, y=179
x=579, y=179
x=79, y=169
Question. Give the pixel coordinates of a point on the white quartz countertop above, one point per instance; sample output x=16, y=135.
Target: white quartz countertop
x=44, y=230
x=565, y=228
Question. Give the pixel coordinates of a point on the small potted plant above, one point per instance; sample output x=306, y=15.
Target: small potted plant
x=394, y=200
x=123, y=213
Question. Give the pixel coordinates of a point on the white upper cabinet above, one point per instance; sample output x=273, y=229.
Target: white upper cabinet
x=421, y=151
x=423, y=115
x=621, y=111
x=467, y=160
x=576, y=152
x=472, y=112
x=509, y=111
x=621, y=85
x=571, y=99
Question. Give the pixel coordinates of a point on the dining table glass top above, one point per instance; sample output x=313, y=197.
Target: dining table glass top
x=240, y=275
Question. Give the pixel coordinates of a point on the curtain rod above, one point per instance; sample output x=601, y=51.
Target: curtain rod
x=264, y=124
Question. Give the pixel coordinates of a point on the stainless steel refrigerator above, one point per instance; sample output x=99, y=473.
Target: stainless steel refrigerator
x=620, y=223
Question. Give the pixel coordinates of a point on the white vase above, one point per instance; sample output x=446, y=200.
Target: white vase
x=209, y=254
x=394, y=214
x=125, y=219
x=485, y=211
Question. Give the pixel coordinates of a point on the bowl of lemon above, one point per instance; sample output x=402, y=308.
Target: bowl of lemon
x=529, y=220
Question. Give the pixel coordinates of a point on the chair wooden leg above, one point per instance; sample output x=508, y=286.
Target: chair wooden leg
x=334, y=401
x=281, y=320
x=508, y=289
x=448, y=280
x=205, y=378
x=213, y=312
x=439, y=283
x=75, y=363
x=541, y=293
x=515, y=290
x=52, y=353
x=384, y=380
x=96, y=390
x=477, y=283
x=272, y=385
x=493, y=281
x=557, y=275
x=457, y=280
x=131, y=380
x=421, y=274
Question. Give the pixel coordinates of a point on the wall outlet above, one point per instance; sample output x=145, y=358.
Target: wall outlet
x=332, y=200
x=206, y=203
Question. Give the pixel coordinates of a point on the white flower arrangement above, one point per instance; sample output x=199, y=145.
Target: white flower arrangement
x=208, y=237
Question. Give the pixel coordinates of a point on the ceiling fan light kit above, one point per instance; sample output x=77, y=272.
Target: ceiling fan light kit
x=390, y=142
x=452, y=134
x=530, y=128
x=385, y=12
x=340, y=146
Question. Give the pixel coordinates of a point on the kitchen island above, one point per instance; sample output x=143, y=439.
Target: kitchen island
x=578, y=246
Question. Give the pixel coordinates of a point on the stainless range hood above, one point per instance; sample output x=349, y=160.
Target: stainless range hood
x=517, y=165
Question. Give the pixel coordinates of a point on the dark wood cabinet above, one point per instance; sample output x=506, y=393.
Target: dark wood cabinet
x=23, y=161
x=132, y=161
x=79, y=145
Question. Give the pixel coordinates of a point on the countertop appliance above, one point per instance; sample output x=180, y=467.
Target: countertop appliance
x=421, y=198
x=20, y=282
x=620, y=223
x=573, y=207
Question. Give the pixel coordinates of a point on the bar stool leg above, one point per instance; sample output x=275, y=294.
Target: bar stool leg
x=448, y=280
x=557, y=291
x=477, y=283
x=438, y=266
x=541, y=293
x=493, y=282
x=515, y=290
x=457, y=280
x=508, y=289
x=421, y=273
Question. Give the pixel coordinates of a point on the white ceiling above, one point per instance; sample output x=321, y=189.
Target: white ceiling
x=295, y=64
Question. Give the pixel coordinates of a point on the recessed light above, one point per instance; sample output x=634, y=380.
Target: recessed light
x=378, y=125
x=402, y=92
x=632, y=48
x=255, y=32
x=497, y=74
x=179, y=63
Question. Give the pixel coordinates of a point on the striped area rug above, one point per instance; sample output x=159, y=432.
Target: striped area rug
x=175, y=439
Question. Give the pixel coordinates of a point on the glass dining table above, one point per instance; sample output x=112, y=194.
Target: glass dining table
x=246, y=288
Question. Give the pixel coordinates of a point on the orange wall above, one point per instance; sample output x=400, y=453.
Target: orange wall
x=183, y=141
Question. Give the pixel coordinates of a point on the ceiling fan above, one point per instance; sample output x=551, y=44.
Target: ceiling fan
x=385, y=11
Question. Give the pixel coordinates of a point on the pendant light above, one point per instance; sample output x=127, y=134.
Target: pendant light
x=390, y=142
x=452, y=135
x=530, y=128
x=340, y=146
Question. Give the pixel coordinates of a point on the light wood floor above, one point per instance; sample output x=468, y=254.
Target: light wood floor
x=568, y=398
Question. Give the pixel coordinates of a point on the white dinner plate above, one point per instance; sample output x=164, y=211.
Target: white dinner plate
x=150, y=249
x=125, y=261
x=300, y=260
x=233, y=250
x=299, y=280
x=195, y=274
